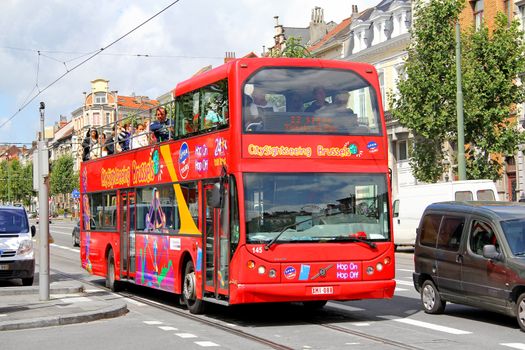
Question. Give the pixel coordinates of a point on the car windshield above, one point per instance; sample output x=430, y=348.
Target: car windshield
x=315, y=207
x=13, y=221
x=514, y=231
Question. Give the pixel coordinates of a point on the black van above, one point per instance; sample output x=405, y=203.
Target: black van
x=472, y=253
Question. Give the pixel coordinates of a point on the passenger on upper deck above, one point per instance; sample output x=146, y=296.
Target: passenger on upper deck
x=162, y=128
x=140, y=138
x=320, y=99
x=256, y=106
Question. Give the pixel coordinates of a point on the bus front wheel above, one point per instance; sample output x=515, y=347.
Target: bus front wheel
x=189, y=291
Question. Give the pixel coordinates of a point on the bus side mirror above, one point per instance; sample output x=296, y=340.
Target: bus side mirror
x=214, y=199
x=33, y=230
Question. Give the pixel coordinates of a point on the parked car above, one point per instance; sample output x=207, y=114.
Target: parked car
x=76, y=234
x=412, y=200
x=17, y=258
x=472, y=253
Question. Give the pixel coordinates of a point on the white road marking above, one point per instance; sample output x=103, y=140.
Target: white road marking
x=134, y=302
x=152, y=322
x=185, y=335
x=400, y=290
x=65, y=248
x=3, y=315
x=343, y=307
x=360, y=324
x=206, y=344
x=427, y=325
x=168, y=328
x=514, y=345
x=404, y=283
x=406, y=270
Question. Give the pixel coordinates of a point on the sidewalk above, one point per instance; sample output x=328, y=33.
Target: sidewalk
x=21, y=307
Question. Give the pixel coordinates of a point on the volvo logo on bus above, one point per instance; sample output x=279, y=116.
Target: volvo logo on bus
x=184, y=160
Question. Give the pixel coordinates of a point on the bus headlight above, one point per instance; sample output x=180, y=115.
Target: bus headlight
x=379, y=267
x=272, y=273
x=261, y=270
x=251, y=264
x=369, y=270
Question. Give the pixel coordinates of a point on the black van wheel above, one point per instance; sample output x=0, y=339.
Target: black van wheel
x=431, y=299
x=189, y=291
x=520, y=311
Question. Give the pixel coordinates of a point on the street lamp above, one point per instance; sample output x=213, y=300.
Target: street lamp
x=43, y=173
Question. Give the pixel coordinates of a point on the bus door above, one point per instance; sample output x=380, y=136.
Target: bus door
x=127, y=243
x=216, y=239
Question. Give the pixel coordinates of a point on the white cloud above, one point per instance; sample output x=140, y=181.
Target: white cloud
x=199, y=31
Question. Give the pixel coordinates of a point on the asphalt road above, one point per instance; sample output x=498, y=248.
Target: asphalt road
x=155, y=320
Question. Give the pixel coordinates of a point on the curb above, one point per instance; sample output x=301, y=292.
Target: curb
x=35, y=290
x=108, y=312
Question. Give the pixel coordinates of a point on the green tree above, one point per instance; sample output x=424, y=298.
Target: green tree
x=16, y=182
x=293, y=48
x=63, y=179
x=426, y=103
x=492, y=61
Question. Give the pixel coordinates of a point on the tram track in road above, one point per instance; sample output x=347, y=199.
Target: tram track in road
x=183, y=313
x=238, y=332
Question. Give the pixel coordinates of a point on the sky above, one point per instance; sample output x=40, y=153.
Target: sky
x=41, y=43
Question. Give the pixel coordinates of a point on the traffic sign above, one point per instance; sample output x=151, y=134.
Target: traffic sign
x=75, y=194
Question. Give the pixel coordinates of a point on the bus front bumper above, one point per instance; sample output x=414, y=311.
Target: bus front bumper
x=289, y=292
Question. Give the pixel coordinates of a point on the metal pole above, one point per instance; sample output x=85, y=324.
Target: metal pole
x=462, y=173
x=43, y=198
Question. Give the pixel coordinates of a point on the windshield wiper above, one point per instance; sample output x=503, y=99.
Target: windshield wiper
x=357, y=239
x=269, y=244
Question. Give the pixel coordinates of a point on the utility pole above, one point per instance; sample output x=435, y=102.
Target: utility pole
x=43, y=199
x=462, y=173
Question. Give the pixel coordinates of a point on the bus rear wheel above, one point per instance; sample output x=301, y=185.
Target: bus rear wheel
x=189, y=291
x=111, y=283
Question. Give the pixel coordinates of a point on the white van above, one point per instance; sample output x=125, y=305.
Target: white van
x=412, y=200
x=17, y=258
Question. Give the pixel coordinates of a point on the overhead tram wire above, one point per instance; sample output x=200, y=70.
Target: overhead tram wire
x=84, y=61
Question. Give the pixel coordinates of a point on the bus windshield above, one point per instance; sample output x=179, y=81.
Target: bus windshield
x=341, y=206
x=310, y=100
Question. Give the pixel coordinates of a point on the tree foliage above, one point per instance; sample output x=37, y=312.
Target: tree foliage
x=63, y=179
x=293, y=48
x=16, y=182
x=492, y=63
x=426, y=102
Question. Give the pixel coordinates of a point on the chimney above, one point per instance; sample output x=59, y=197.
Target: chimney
x=354, y=10
x=318, y=27
x=229, y=56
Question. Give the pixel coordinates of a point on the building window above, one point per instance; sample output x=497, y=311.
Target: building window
x=478, y=14
x=108, y=118
x=96, y=119
x=100, y=98
x=402, y=150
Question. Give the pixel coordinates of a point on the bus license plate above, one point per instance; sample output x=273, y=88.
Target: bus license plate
x=4, y=267
x=322, y=290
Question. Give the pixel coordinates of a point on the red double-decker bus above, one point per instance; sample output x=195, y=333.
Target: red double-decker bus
x=272, y=187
